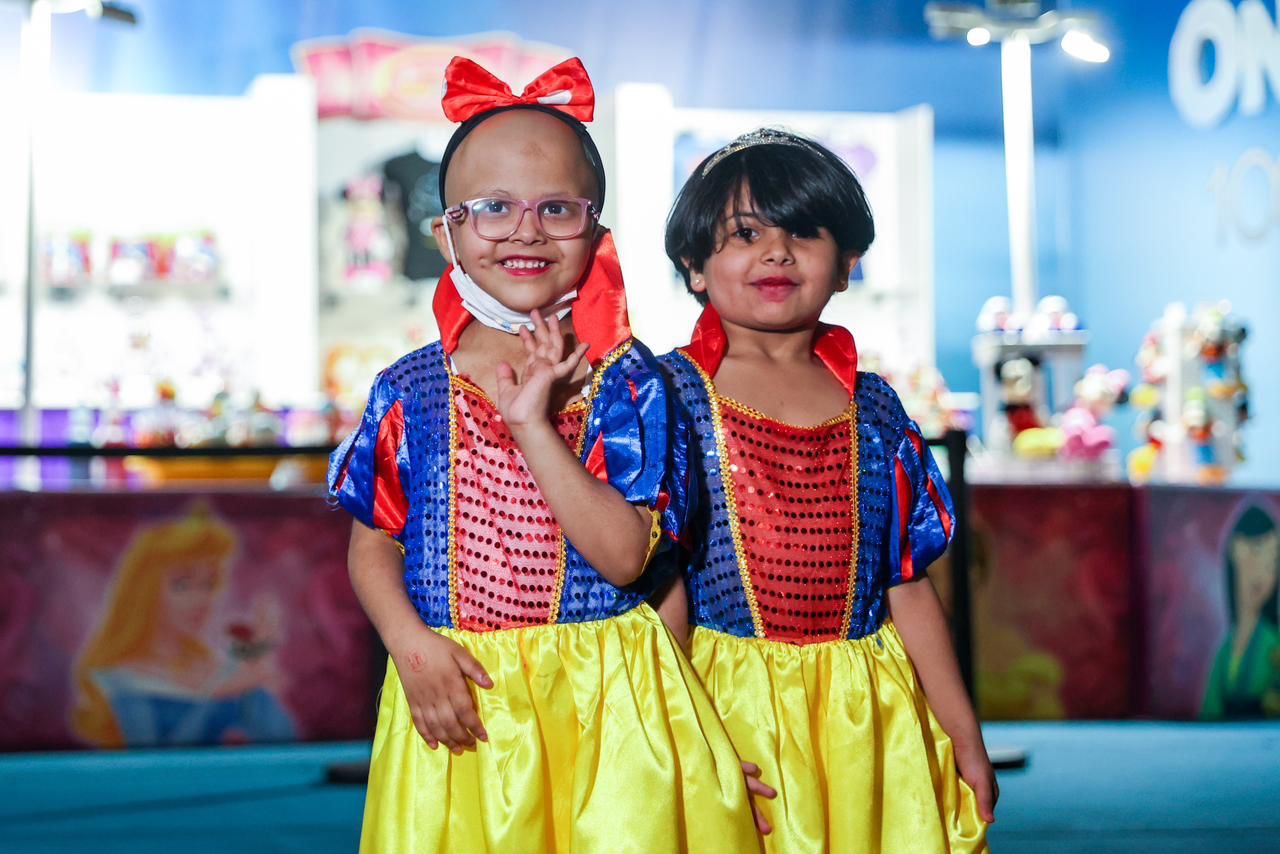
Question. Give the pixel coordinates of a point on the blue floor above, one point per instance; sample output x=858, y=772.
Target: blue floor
x=1089, y=787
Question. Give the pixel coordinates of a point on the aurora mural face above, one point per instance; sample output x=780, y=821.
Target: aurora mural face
x=153, y=620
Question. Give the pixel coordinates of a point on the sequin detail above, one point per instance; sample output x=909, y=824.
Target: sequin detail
x=792, y=488
x=507, y=557
x=628, y=412
x=721, y=595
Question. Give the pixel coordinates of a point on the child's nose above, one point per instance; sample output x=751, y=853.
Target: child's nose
x=777, y=249
x=527, y=227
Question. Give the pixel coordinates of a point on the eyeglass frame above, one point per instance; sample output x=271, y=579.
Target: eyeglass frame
x=460, y=212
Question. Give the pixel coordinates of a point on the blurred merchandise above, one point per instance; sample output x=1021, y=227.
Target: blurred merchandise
x=1193, y=397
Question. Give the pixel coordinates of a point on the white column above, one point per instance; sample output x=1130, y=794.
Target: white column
x=34, y=48
x=1019, y=160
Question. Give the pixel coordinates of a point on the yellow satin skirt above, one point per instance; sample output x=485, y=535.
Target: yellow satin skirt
x=844, y=734
x=601, y=739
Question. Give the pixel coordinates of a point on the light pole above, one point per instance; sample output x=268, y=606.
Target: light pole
x=1018, y=25
x=34, y=48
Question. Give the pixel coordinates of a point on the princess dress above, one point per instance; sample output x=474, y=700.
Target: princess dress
x=601, y=739
x=800, y=533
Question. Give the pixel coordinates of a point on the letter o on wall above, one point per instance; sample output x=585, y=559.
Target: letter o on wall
x=1204, y=103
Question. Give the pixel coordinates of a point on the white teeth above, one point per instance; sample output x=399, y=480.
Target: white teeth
x=522, y=264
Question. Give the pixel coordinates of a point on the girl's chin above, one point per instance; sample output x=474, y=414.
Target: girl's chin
x=776, y=318
x=526, y=298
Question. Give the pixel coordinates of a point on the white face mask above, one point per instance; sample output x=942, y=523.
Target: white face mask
x=484, y=308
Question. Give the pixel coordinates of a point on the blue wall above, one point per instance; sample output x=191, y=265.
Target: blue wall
x=1145, y=227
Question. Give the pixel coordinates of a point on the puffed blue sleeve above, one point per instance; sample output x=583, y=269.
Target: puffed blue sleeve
x=923, y=514
x=642, y=445
x=369, y=472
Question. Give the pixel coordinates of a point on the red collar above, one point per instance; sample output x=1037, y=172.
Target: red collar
x=834, y=345
x=599, y=313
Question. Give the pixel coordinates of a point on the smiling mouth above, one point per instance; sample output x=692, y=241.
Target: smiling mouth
x=774, y=282
x=525, y=264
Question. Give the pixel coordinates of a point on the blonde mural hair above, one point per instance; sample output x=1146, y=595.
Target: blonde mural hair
x=127, y=628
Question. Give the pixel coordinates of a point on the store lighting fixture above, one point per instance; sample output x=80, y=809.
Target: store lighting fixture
x=979, y=36
x=1018, y=25
x=94, y=9
x=1083, y=46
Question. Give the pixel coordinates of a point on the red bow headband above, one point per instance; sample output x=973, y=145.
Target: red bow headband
x=469, y=90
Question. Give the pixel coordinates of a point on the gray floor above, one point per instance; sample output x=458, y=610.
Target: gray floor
x=1089, y=787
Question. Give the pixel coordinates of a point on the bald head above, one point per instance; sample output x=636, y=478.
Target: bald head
x=523, y=154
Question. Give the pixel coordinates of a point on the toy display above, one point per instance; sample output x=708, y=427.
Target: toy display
x=1193, y=398
x=930, y=403
x=1028, y=369
x=75, y=263
x=1043, y=414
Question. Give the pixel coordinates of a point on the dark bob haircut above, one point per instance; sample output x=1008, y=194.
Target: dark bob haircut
x=794, y=183
x=589, y=150
x=1253, y=523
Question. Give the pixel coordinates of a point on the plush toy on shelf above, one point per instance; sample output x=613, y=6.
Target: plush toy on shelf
x=1084, y=436
x=931, y=404
x=1193, y=398
x=369, y=247
x=161, y=425
x=1017, y=399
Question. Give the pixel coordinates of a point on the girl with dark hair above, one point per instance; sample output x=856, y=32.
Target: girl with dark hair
x=1246, y=670
x=505, y=520
x=820, y=639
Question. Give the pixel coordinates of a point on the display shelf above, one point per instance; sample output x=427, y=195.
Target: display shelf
x=218, y=291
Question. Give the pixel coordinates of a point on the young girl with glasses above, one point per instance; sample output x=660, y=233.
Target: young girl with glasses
x=510, y=484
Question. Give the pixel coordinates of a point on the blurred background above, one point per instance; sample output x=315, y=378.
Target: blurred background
x=214, y=231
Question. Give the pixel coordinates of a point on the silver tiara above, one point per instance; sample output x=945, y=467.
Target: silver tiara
x=763, y=136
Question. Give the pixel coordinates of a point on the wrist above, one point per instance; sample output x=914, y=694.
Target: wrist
x=969, y=743
x=401, y=641
x=531, y=432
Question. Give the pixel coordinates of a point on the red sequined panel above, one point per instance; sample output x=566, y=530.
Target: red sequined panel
x=507, y=542
x=793, y=494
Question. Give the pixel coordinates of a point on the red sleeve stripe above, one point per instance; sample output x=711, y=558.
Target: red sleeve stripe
x=938, y=503
x=390, y=506
x=907, y=567
x=595, y=460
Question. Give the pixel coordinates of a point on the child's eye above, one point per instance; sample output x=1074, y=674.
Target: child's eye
x=490, y=207
x=560, y=209
x=745, y=234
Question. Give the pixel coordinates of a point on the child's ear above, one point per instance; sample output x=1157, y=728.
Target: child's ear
x=697, y=283
x=442, y=243
x=848, y=261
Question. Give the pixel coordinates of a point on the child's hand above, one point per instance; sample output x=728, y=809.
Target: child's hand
x=755, y=789
x=975, y=768
x=524, y=402
x=434, y=671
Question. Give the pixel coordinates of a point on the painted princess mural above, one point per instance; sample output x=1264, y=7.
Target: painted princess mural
x=149, y=674
x=1245, y=680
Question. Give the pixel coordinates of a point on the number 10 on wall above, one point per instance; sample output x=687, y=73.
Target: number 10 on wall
x=1248, y=196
